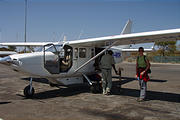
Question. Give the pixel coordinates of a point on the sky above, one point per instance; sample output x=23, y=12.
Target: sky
x=50, y=20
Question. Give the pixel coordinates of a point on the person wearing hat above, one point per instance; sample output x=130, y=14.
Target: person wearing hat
x=142, y=70
x=106, y=64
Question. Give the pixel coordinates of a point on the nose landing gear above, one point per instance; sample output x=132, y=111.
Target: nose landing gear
x=29, y=90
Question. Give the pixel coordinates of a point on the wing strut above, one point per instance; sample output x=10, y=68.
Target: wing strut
x=95, y=57
x=89, y=81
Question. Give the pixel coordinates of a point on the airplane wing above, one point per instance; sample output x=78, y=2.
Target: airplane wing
x=21, y=44
x=123, y=39
x=135, y=50
x=133, y=38
x=132, y=49
x=6, y=53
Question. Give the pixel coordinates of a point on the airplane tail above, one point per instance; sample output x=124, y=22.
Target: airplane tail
x=127, y=28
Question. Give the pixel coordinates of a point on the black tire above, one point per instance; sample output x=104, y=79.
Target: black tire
x=95, y=88
x=27, y=93
x=99, y=87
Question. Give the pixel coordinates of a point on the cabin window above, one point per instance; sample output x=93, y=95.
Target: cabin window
x=92, y=53
x=76, y=53
x=82, y=52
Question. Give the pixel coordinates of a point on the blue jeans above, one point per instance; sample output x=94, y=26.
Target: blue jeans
x=143, y=88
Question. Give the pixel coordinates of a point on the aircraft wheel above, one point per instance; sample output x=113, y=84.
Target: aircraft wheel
x=94, y=88
x=27, y=92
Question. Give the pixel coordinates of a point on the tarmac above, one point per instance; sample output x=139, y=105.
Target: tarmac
x=77, y=103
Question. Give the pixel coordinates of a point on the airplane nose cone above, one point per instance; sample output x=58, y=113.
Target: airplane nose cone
x=5, y=59
x=9, y=61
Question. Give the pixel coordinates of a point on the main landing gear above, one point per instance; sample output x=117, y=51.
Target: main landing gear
x=94, y=82
x=29, y=90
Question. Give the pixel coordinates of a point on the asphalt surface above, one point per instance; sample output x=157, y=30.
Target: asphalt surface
x=75, y=103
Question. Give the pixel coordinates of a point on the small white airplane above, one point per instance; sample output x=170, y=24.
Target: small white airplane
x=73, y=62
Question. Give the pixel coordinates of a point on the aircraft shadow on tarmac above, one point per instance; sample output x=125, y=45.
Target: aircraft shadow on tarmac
x=62, y=92
x=1, y=103
x=128, y=79
x=74, y=90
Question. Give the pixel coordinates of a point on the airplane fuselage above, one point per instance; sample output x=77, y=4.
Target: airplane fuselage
x=57, y=63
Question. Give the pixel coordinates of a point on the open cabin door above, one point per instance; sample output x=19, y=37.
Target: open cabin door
x=51, y=59
x=57, y=59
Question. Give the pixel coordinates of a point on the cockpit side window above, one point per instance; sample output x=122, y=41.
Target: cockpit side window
x=76, y=53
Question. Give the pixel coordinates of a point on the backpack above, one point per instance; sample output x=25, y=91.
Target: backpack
x=149, y=70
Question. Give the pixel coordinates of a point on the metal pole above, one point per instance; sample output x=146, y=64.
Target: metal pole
x=0, y=34
x=25, y=23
